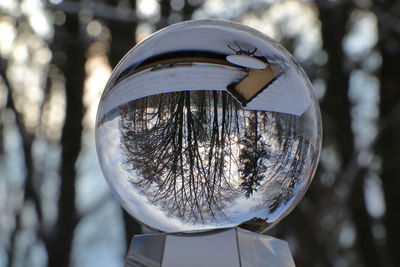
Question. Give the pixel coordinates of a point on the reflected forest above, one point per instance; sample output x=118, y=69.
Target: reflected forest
x=194, y=152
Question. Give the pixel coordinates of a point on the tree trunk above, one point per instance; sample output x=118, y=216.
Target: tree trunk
x=389, y=143
x=366, y=243
x=336, y=105
x=59, y=242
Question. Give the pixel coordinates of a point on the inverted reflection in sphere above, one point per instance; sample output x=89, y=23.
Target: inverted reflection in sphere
x=208, y=124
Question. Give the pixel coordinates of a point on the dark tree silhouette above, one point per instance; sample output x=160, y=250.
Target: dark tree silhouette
x=389, y=145
x=59, y=240
x=252, y=157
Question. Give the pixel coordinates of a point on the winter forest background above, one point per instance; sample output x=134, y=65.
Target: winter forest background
x=55, y=57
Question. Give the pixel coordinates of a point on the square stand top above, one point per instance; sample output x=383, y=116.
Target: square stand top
x=233, y=247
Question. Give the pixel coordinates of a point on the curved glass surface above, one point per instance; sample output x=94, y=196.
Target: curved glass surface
x=208, y=124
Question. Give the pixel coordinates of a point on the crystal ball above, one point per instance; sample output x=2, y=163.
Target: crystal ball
x=208, y=124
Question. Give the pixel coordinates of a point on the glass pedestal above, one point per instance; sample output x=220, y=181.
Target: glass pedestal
x=229, y=247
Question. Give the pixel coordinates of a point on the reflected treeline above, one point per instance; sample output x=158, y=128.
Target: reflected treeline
x=193, y=153
x=291, y=168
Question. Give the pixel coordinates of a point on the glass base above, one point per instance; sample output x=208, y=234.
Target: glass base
x=230, y=247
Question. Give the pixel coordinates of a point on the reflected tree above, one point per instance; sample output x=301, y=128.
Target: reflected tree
x=193, y=153
x=285, y=173
x=280, y=156
x=181, y=145
x=252, y=155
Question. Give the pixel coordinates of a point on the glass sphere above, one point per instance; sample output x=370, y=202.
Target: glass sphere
x=208, y=124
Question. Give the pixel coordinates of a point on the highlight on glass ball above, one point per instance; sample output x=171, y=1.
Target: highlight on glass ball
x=208, y=124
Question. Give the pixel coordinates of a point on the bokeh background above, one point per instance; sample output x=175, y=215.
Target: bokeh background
x=56, y=56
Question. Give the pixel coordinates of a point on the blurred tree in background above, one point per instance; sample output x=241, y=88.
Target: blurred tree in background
x=55, y=57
